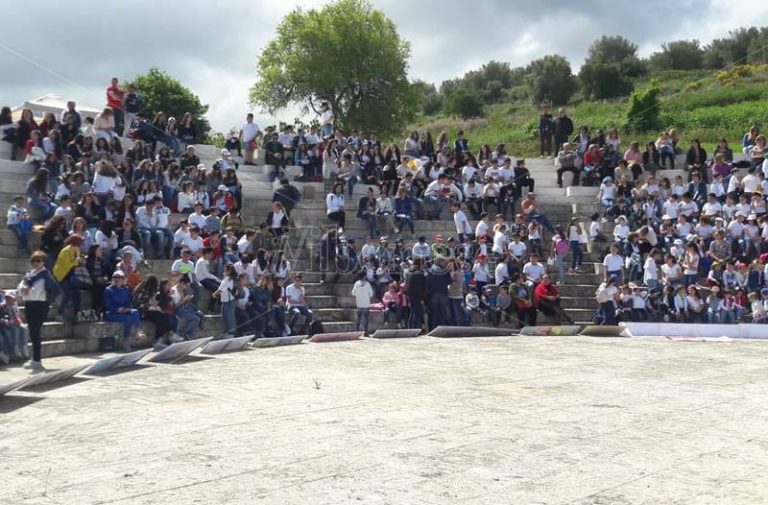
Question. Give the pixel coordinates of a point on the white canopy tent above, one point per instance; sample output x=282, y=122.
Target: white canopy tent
x=52, y=103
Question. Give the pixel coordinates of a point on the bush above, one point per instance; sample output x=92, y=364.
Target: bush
x=644, y=109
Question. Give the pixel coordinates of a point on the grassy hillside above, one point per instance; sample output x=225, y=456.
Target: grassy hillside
x=700, y=104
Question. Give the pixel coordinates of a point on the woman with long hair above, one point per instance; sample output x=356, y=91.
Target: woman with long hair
x=187, y=131
x=24, y=128
x=575, y=234
x=38, y=197
x=560, y=247
x=334, y=205
x=146, y=298
x=69, y=258
x=100, y=274
x=39, y=289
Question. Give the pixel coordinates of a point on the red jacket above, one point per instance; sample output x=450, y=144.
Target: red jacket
x=543, y=290
x=593, y=158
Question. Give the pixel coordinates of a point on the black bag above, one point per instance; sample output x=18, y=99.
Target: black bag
x=316, y=327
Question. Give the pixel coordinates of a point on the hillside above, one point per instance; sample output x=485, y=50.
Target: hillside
x=704, y=104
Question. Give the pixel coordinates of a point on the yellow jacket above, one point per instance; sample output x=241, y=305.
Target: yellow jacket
x=66, y=261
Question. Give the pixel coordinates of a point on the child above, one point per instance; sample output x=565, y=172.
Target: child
x=363, y=292
x=758, y=309
x=595, y=235
x=18, y=222
x=13, y=335
x=391, y=301
x=504, y=306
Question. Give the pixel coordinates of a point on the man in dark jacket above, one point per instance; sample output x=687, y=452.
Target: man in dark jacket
x=545, y=132
x=562, y=128
x=287, y=194
x=438, y=280
x=416, y=289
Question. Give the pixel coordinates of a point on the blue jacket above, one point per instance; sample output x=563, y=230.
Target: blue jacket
x=116, y=298
x=403, y=206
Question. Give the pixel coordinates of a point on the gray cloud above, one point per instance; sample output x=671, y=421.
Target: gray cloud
x=213, y=47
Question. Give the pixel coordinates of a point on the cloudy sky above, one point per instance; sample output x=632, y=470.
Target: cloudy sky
x=73, y=48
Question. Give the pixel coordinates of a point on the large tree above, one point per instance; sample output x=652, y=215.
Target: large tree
x=678, y=55
x=348, y=54
x=550, y=79
x=161, y=92
x=610, y=66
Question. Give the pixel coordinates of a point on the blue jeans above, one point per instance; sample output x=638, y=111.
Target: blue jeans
x=351, y=184
x=458, y=314
x=577, y=254
x=405, y=220
x=129, y=320
x=16, y=229
x=228, y=319
x=189, y=320
x=437, y=206
x=70, y=294
x=45, y=209
x=369, y=219
x=362, y=319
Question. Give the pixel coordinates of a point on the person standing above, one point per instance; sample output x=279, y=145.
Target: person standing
x=39, y=289
x=545, y=132
x=363, y=292
x=248, y=133
x=133, y=103
x=227, y=294
x=326, y=120
x=562, y=128
x=115, y=97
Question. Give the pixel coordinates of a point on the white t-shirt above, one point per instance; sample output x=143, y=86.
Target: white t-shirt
x=613, y=262
x=194, y=244
x=534, y=271
x=501, y=273
x=225, y=288
x=481, y=228
x=499, y=242
x=517, y=249
x=294, y=294
x=461, y=222
x=481, y=272
x=250, y=130
x=650, y=270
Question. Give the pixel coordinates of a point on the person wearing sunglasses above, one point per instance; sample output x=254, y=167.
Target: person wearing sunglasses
x=39, y=289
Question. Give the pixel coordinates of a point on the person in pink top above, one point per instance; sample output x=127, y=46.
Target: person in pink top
x=633, y=154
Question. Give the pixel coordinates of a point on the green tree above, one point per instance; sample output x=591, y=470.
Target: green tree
x=465, y=103
x=348, y=54
x=644, y=109
x=610, y=66
x=678, y=55
x=550, y=79
x=430, y=100
x=161, y=92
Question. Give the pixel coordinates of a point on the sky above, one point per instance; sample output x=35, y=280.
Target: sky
x=73, y=48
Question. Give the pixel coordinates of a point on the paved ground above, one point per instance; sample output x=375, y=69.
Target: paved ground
x=521, y=420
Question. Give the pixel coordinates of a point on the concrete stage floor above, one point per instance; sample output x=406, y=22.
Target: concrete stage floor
x=513, y=420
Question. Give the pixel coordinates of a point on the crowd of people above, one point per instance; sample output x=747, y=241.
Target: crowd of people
x=106, y=211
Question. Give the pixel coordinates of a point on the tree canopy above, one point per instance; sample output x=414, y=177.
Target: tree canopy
x=348, y=54
x=550, y=79
x=465, y=103
x=161, y=92
x=678, y=55
x=610, y=66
